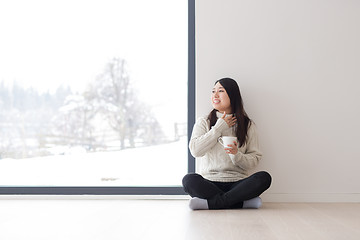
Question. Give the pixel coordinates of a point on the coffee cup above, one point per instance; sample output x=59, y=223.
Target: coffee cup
x=227, y=140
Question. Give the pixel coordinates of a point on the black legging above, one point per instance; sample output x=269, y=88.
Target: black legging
x=225, y=195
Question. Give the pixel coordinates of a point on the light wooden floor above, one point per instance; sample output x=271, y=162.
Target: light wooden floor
x=172, y=219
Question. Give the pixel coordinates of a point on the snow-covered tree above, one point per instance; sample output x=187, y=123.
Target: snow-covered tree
x=126, y=114
x=109, y=110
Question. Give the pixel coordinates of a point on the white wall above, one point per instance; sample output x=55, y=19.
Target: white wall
x=298, y=66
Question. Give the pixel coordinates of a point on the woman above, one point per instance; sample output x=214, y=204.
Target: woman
x=224, y=182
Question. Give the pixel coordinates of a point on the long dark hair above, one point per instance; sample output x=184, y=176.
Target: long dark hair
x=237, y=106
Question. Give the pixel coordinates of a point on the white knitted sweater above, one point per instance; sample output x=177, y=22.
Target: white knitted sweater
x=216, y=164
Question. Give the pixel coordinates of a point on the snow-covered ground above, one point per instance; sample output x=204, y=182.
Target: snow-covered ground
x=160, y=165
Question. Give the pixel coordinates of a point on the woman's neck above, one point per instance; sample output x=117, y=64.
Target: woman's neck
x=220, y=114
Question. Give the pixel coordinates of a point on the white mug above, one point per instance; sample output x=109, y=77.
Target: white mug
x=227, y=140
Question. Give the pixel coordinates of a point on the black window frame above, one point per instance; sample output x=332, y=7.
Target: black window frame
x=168, y=190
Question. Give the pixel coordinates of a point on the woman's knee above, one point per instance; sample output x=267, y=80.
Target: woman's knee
x=265, y=178
x=190, y=178
x=189, y=181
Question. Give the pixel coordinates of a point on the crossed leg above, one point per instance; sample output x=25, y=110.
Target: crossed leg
x=235, y=197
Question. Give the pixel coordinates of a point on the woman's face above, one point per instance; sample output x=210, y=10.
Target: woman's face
x=220, y=99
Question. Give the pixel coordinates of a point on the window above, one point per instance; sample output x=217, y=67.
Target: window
x=96, y=97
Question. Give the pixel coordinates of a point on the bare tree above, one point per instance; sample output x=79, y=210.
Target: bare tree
x=109, y=107
x=117, y=98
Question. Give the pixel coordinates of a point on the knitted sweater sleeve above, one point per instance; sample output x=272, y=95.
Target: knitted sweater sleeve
x=252, y=155
x=202, y=139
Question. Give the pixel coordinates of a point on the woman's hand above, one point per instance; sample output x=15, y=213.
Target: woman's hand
x=230, y=120
x=231, y=148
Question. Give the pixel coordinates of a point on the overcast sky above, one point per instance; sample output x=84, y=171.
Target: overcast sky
x=47, y=43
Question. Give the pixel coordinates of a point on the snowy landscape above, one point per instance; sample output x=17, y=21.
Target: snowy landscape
x=160, y=165
x=104, y=136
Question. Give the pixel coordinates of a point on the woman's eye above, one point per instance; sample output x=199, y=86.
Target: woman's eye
x=214, y=91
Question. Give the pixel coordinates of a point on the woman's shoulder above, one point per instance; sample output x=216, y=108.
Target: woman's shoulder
x=202, y=120
x=252, y=129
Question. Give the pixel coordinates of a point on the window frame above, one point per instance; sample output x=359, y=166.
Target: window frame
x=132, y=190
